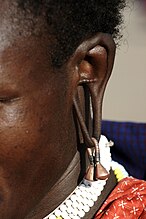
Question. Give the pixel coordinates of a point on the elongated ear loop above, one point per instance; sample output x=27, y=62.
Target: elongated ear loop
x=95, y=170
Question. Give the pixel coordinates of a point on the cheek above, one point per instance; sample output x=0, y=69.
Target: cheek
x=28, y=133
x=16, y=133
x=17, y=150
x=32, y=130
x=29, y=136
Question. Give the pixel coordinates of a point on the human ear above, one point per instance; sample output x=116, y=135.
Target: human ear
x=93, y=61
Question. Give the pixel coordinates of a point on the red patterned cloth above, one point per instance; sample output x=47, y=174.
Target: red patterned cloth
x=127, y=200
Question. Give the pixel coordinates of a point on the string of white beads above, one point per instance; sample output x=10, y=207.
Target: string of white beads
x=87, y=193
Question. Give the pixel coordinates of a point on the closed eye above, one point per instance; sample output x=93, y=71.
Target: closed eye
x=5, y=100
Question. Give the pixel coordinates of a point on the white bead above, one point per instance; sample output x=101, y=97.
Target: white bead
x=72, y=216
x=80, y=206
x=94, y=198
x=63, y=207
x=75, y=211
x=90, y=203
x=67, y=217
x=84, y=194
x=99, y=183
x=87, y=183
x=82, y=185
x=89, y=196
x=100, y=187
x=57, y=213
x=98, y=193
x=64, y=214
x=68, y=202
x=85, y=201
x=52, y=217
x=87, y=192
x=92, y=189
x=78, y=192
x=75, y=204
x=104, y=182
x=73, y=197
x=80, y=199
x=86, y=208
x=76, y=217
x=69, y=209
x=81, y=213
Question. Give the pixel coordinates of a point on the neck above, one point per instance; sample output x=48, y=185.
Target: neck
x=59, y=191
x=69, y=181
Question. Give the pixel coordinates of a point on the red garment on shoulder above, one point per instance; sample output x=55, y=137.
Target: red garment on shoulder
x=127, y=200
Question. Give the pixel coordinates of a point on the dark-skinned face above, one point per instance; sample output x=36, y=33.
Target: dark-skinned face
x=34, y=114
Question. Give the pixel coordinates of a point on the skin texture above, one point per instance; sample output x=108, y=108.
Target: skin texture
x=30, y=131
x=38, y=134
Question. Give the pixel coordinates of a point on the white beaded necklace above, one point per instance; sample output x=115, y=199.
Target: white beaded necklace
x=79, y=202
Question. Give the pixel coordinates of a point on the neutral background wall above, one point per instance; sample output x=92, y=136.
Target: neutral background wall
x=125, y=97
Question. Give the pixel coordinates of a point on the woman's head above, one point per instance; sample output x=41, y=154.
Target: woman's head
x=47, y=49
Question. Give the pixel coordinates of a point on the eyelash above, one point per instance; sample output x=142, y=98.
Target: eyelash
x=5, y=100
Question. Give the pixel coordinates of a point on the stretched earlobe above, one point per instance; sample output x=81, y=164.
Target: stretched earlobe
x=95, y=169
x=94, y=70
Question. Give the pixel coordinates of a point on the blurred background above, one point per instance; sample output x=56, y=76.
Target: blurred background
x=125, y=97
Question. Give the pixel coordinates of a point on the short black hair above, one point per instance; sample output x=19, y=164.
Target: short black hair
x=72, y=21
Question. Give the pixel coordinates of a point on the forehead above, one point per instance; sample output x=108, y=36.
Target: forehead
x=17, y=23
